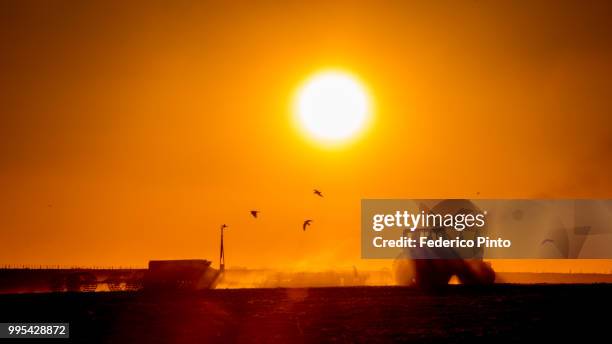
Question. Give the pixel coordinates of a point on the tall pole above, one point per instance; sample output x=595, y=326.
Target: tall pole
x=222, y=252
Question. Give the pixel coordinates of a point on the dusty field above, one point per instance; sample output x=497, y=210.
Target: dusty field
x=358, y=314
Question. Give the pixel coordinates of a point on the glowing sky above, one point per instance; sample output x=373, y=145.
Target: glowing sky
x=132, y=131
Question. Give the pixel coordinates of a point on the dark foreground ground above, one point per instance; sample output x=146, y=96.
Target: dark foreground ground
x=500, y=313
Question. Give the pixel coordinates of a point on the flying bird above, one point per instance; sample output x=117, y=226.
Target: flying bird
x=254, y=213
x=547, y=241
x=306, y=224
x=318, y=193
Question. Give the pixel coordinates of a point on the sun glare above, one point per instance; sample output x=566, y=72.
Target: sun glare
x=332, y=106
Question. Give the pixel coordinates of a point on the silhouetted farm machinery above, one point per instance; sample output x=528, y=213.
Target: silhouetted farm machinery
x=161, y=275
x=188, y=274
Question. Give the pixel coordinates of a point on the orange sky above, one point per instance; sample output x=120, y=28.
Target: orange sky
x=131, y=132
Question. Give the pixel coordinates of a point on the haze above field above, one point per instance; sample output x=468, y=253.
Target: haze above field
x=130, y=132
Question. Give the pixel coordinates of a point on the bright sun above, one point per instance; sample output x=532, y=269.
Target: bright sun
x=332, y=106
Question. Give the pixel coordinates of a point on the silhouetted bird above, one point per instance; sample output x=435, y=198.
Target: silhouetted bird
x=546, y=241
x=306, y=224
x=224, y=226
x=318, y=193
x=254, y=213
